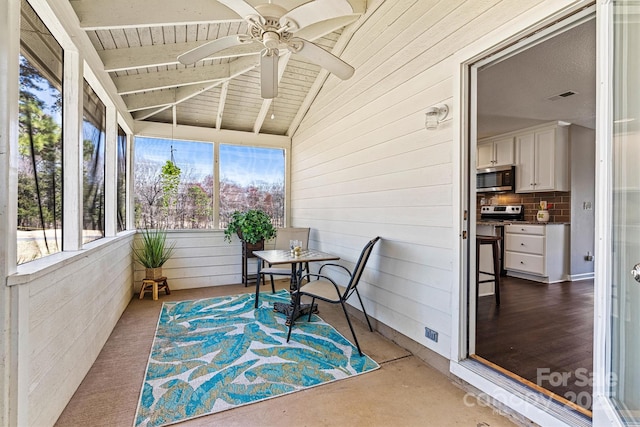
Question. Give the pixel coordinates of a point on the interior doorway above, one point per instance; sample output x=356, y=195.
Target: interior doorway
x=534, y=110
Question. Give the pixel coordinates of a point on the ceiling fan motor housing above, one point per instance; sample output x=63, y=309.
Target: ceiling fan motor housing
x=271, y=39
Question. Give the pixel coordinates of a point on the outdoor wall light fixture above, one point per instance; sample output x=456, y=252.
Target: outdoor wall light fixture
x=435, y=115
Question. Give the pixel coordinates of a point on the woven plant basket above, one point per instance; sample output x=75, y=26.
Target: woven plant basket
x=153, y=273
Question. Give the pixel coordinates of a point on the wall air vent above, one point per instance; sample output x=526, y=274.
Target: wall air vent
x=562, y=95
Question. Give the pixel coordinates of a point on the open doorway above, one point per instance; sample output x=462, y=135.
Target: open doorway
x=536, y=121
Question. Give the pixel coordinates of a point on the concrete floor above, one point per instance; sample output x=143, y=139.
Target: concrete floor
x=405, y=391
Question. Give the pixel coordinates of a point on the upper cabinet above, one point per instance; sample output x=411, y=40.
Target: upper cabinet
x=542, y=159
x=495, y=152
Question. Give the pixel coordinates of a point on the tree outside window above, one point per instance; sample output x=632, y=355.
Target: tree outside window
x=39, y=227
x=174, y=183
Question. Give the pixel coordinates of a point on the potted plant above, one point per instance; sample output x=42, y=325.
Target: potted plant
x=153, y=252
x=253, y=227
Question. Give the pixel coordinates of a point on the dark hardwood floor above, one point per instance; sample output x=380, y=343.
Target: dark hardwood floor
x=541, y=332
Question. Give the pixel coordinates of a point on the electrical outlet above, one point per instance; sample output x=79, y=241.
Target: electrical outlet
x=588, y=257
x=587, y=206
x=431, y=334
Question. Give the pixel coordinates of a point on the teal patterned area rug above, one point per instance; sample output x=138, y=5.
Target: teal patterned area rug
x=215, y=354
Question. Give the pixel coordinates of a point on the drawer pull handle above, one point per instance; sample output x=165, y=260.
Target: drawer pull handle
x=521, y=244
x=521, y=262
x=523, y=229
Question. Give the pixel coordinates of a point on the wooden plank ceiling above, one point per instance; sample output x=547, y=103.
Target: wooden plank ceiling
x=139, y=41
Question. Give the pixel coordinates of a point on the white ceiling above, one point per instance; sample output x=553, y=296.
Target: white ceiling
x=138, y=42
x=514, y=93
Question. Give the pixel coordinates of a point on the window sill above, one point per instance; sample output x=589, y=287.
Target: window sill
x=35, y=269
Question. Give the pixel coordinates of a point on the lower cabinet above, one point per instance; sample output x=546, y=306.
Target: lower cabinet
x=537, y=251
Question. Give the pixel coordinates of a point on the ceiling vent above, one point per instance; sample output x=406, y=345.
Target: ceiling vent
x=562, y=95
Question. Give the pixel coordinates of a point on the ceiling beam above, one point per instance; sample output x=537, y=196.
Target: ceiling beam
x=105, y=15
x=161, y=55
x=197, y=133
x=223, y=99
x=168, y=97
x=145, y=114
x=170, y=78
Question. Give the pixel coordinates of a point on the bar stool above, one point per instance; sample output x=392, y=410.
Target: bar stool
x=154, y=285
x=494, y=241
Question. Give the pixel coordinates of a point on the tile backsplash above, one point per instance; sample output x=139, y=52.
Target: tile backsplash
x=559, y=212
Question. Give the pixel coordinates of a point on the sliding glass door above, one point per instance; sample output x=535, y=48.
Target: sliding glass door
x=617, y=337
x=625, y=274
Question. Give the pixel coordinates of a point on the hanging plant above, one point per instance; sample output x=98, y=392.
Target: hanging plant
x=170, y=175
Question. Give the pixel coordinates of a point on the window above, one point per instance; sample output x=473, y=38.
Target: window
x=93, y=135
x=173, y=184
x=40, y=140
x=121, y=186
x=251, y=178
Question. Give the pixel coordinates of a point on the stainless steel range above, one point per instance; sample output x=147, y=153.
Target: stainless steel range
x=497, y=216
x=502, y=213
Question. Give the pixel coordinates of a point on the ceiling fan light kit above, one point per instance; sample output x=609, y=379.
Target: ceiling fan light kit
x=271, y=27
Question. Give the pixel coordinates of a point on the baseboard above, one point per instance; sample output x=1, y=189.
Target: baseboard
x=534, y=278
x=583, y=276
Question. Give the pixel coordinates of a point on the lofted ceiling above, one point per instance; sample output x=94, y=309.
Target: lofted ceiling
x=138, y=42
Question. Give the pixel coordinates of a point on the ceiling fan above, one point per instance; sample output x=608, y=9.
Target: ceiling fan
x=271, y=28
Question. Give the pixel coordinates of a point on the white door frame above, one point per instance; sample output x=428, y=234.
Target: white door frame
x=533, y=21
x=604, y=413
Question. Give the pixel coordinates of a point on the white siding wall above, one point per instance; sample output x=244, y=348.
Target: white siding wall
x=71, y=311
x=202, y=258
x=364, y=165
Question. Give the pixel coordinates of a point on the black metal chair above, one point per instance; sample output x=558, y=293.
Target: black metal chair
x=326, y=289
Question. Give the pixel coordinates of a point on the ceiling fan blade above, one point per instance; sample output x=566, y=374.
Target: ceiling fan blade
x=207, y=49
x=269, y=73
x=315, y=31
x=316, y=11
x=318, y=55
x=240, y=7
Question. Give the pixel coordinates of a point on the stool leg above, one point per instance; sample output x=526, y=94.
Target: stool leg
x=155, y=290
x=166, y=288
x=142, y=290
x=496, y=271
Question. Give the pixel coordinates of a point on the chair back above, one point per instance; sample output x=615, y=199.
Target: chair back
x=359, y=268
x=284, y=235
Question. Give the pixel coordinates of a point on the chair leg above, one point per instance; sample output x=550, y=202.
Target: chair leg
x=351, y=327
x=296, y=307
x=364, y=311
x=257, y=291
x=313, y=301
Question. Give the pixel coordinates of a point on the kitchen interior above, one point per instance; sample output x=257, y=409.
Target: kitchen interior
x=535, y=182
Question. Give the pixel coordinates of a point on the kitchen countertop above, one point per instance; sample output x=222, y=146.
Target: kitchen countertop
x=507, y=222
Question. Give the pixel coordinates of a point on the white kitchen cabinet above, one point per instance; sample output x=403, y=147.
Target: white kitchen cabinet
x=495, y=152
x=542, y=159
x=537, y=251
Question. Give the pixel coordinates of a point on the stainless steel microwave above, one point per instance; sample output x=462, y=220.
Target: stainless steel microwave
x=501, y=178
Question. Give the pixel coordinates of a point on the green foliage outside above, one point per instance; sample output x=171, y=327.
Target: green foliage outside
x=39, y=168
